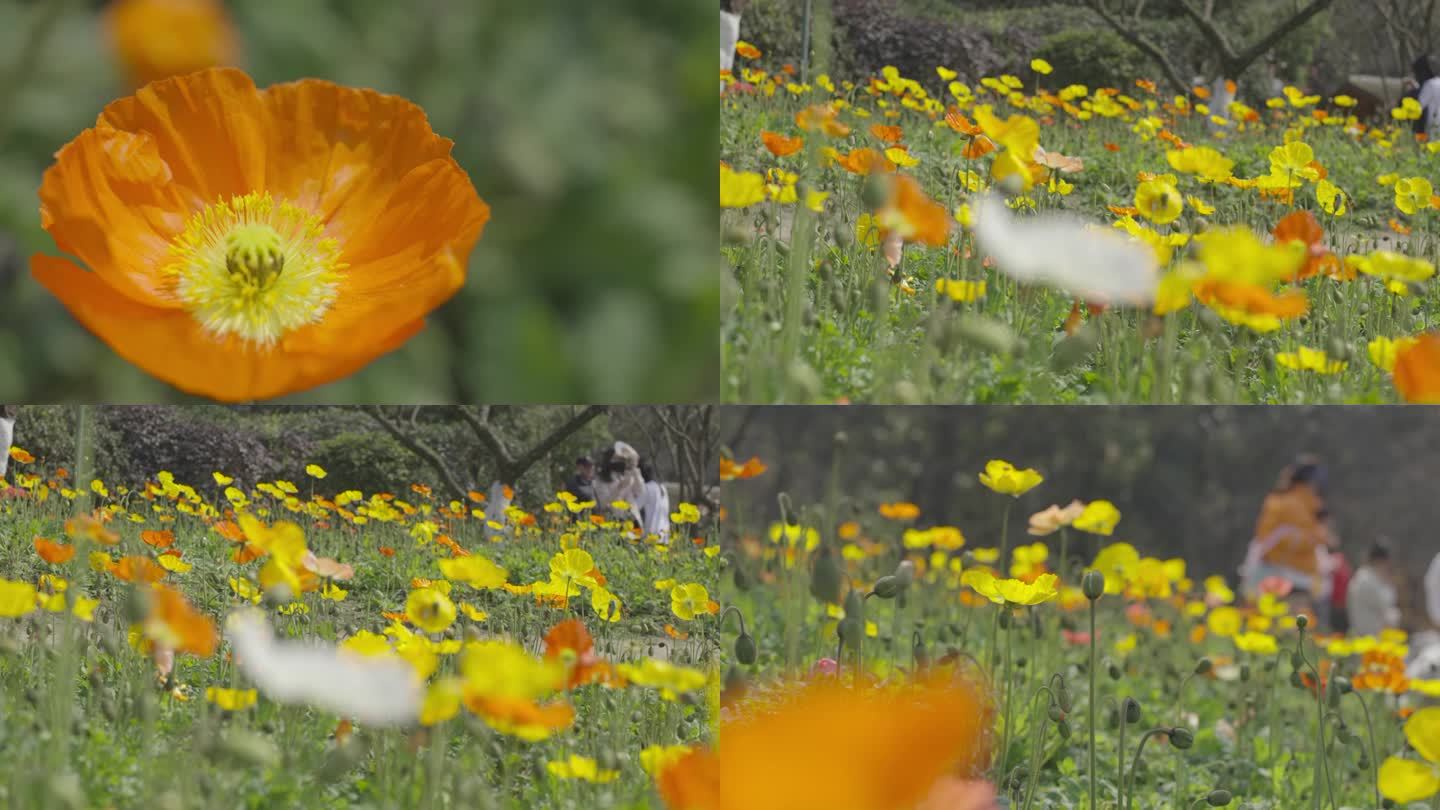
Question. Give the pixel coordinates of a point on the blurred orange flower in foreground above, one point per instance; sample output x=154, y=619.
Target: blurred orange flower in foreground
x=157, y=39
x=245, y=243
x=827, y=746
x=1417, y=370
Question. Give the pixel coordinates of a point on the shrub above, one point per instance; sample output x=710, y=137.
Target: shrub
x=1095, y=58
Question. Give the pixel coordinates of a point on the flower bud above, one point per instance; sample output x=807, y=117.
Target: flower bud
x=1093, y=585
x=905, y=573
x=1181, y=737
x=745, y=651
x=1204, y=666
x=887, y=587
x=1113, y=670
x=1064, y=728
x=1219, y=797
x=826, y=578
x=1302, y=621
x=1056, y=713
x=742, y=579
x=1342, y=685
x=1131, y=707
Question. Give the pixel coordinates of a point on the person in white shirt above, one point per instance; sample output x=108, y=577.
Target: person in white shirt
x=655, y=507
x=1427, y=93
x=7, y=435
x=1371, y=599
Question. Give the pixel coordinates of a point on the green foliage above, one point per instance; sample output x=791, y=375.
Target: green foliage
x=588, y=128
x=1092, y=58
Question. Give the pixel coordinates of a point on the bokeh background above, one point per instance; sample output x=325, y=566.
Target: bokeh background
x=1188, y=481
x=589, y=128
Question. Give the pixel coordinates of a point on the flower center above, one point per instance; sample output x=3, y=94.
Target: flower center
x=254, y=269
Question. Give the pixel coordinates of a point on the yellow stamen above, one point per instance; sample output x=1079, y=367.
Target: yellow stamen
x=255, y=270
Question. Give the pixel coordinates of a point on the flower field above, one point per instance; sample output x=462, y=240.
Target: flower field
x=923, y=239
x=1052, y=666
x=280, y=644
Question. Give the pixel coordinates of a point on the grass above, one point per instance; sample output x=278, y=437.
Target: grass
x=814, y=314
x=89, y=722
x=1221, y=686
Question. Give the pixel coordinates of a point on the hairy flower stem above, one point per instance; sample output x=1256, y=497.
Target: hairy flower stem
x=1093, y=806
x=1136, y=762
x=1374, y=761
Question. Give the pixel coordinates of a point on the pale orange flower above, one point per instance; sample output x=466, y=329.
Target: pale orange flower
x=157, y=39
x=247, y=243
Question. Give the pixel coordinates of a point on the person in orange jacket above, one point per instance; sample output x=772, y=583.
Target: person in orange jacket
x=1293, y=539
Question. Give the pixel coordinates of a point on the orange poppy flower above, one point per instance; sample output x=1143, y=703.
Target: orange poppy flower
x=53, y=552
x=570, y=641
x=138, y=569
x=823, y=117
x=780, y=145
x=1417, y=370
x=1398, y=227
x=865, y=161
x=887, y=133
x=157, y=39
x=925, y=220
x=827, y=745
x=958, y=122
x=1200, y=92
x=1112, y=147
x=523, y=718
x=1252, y=299
x=978, y=147
x=158, y=538
x=248, y=243
x=1301, y=226
x=178, y=626
x=1146, y=85
x=730, y=471
x=229, y=530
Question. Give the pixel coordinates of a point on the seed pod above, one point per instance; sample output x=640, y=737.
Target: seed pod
x=1302, y=621
x=1093, y=585
x=1297, y=661
x=905, y=573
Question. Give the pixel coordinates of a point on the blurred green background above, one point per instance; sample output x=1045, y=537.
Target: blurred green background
x=589, y=128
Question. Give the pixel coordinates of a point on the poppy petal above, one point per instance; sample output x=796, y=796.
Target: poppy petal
x=172, y=345
x=209, y=127
x=109, y=201
x=342, y=151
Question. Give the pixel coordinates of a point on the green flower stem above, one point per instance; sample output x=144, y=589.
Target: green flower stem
x=1138, y=750
x=1374, y=761
x=1093, y=805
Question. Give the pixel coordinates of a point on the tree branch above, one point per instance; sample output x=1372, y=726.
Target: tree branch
x=1209, y=30
x=1172, y=74
x=419, y=448
x=480, y=424
x=1259, y=49
x=519, y=465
